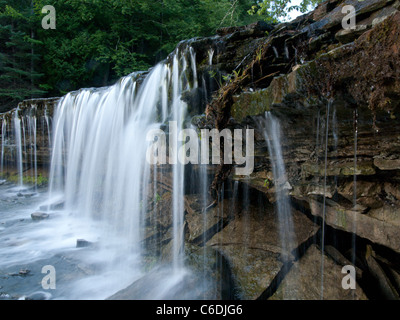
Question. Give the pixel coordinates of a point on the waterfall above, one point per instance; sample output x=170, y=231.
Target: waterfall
x=98, y=163
x=18, y=143
x=32, y=129
x=101, y=186
x=272, y=134
x=3, y=141
x=210, y=56
x=20, y=159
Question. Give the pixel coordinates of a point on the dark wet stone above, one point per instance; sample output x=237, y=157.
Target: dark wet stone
x=39, y=216
x=82, y=243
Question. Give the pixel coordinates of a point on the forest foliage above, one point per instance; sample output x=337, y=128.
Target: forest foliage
x=97, y=41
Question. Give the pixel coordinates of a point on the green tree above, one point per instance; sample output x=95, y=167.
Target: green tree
x=19, y=54
x=275, y=10
x=98, y=41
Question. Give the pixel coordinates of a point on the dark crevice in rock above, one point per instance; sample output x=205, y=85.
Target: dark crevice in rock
x=298, y=253
x=269, y=292
x=209, y=233
x=228, y=286
x=343, y=241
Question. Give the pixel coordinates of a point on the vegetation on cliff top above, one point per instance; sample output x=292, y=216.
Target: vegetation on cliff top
x=96, y=42
x=275, y=10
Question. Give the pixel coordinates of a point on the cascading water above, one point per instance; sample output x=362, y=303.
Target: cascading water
x=102, y=189
x=3, y=142
x=18, y=143
x=32, y=126
x=99, y=153
x=272, y=134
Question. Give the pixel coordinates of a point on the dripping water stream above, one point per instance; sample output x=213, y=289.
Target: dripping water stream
x=328, y=107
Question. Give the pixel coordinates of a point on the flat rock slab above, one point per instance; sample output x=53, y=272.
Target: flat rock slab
x=261, y=230
x=387, y=164
x=202, y=224
x=253, y=269
x=379, y=225
x=303, y=281
x=335, y=17
x=251, y=244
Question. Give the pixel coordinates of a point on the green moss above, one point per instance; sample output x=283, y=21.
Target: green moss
x=365, y=168
x=157, y=198
x=341, y=220
x=29, y=180
x=251, y=103
x=346, y=169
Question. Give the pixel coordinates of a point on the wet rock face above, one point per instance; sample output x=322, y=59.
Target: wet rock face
x=336, y=94
x=252, y=245
x=350, y=141
x=342, y=160
x=35, y=146
x=304, y=281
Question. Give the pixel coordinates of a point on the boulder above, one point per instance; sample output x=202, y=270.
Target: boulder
x=39, y=216
x=348, y=35
x=387, y=164
x=82, y=243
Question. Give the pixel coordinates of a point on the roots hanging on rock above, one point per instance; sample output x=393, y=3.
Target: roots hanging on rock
x=219, y=111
